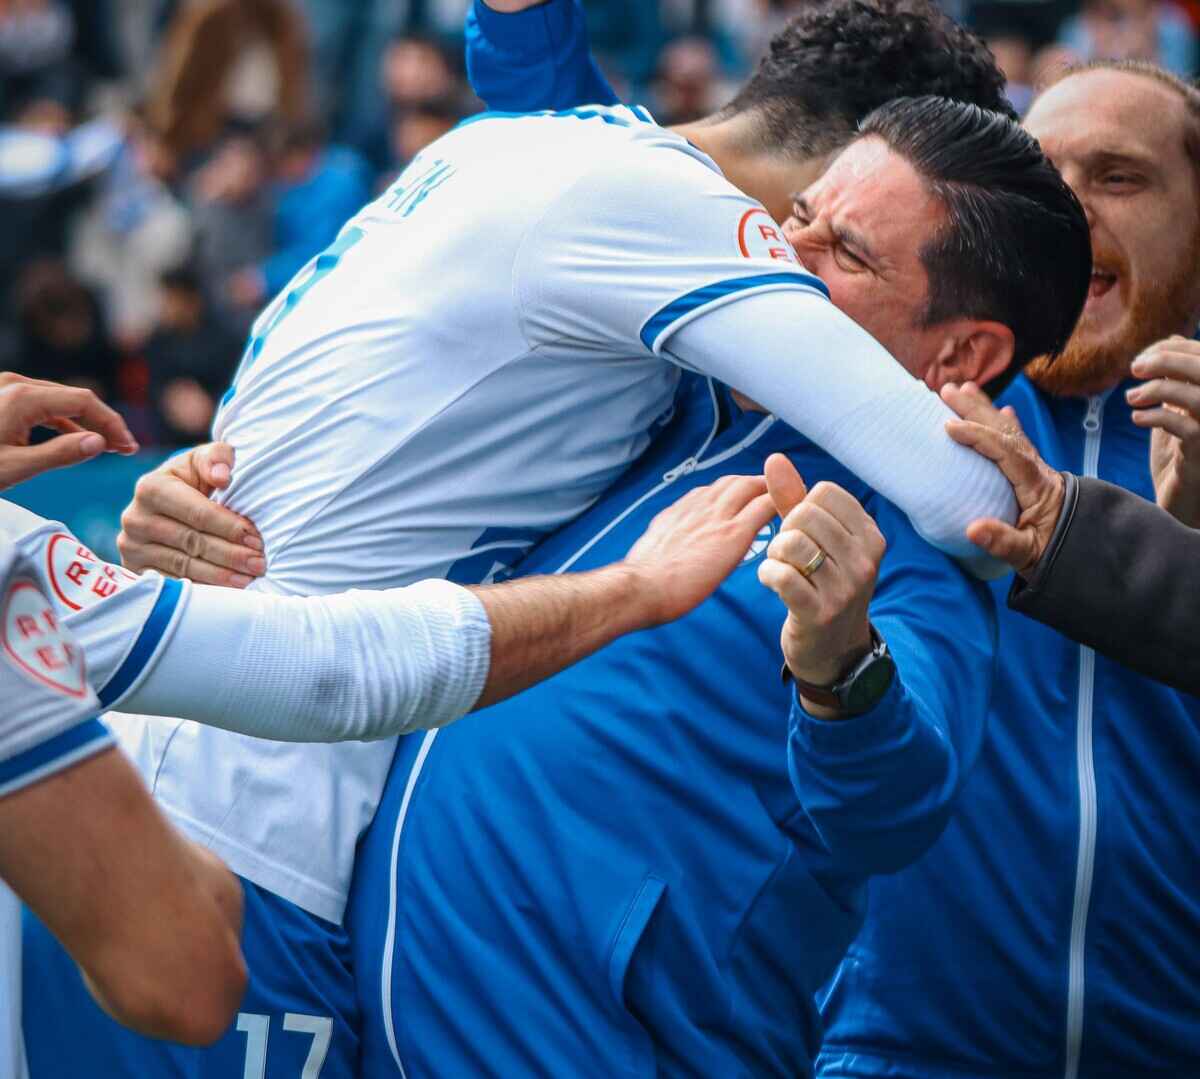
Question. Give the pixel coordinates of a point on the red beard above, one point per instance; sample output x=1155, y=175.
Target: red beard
x=1162, y=307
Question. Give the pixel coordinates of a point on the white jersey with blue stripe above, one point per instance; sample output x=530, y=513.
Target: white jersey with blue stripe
x=470, y=365
x=48, y=723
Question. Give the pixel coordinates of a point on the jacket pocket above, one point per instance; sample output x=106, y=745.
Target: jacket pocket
x=625, y=945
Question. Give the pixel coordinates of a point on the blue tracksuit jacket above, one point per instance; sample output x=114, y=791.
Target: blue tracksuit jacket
x=1054, y=930
x=614, y=873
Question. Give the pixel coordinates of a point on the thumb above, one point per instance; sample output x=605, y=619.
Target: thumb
x=784, y=484
x=214, y=464
x=18, y=463
x=1004, y=542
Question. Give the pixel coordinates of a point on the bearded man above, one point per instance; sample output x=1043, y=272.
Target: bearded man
x=1054, y=929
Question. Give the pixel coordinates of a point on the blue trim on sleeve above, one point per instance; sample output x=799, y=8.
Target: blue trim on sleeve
x=693, y=301
x=146, y=645
x=53, y=755
x=638, y=114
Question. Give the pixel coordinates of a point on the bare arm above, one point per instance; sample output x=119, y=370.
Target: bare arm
x=419, y=657
x=542, y=625
x=153, y=921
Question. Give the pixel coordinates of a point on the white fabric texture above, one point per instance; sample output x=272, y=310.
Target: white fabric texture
x=354, y=666
x=859, y=405
x=360, y=665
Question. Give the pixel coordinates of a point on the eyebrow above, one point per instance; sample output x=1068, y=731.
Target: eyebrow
x=847, y=236
x=1101, y=157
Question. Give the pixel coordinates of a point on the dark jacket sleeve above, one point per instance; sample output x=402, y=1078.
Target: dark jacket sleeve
x=1123, y=577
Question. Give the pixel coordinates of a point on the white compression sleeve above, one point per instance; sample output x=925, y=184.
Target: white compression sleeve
x=354, y=666
x=799, y=356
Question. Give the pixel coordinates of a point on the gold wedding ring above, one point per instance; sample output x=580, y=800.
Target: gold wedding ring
x=813, y=564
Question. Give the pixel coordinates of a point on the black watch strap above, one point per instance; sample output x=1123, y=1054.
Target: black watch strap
x=835, y=696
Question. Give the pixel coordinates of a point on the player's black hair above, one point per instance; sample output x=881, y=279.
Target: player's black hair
x=839, y=60
x=1015, y=246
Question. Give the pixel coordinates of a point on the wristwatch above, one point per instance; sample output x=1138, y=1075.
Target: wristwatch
x=861, y=689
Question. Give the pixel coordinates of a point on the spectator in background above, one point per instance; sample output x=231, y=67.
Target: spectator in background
x=134, y=229
x=422, y=88
x=229, y=60
x=415, y=127
x=317, y=188
x=35, y=50
x=626, y=35
x=1152, y=30
x=349, y=43
x=686, y=87
x=1017, y=31
x=191, y=359
x=233, y=210
x=61, y=333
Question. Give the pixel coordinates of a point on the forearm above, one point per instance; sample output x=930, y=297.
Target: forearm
x=365, y=665
x=798, y=356
x=118, y=885
x=1117, y=576
x=541, y=625
x=355, y=666
x=879, y=787
x=534, y=59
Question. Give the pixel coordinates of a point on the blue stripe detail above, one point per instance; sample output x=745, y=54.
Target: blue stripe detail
x=693, y=301
x=146, y=645
x=583, y=113
x=42, y=756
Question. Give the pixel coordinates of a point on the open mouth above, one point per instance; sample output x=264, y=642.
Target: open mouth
x=1101, y=284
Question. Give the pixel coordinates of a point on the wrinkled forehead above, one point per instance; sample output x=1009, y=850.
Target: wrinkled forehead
x=1114, y=111
x=872, y=188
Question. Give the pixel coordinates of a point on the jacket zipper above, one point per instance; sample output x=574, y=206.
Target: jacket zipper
x=691, y=464
x=686, y=467
x=1086, y=768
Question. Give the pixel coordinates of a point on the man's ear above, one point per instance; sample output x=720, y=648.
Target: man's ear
x=973, y=350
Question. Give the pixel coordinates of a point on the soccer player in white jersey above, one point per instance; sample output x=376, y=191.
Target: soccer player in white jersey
x=481, y=352
x=152, y=920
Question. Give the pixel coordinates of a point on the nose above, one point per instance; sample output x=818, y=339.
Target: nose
x=1074, y=177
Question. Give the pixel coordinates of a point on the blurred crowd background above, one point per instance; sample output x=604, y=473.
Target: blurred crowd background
x=167, y=165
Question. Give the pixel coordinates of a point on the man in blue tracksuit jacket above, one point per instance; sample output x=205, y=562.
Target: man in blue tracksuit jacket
x=1054, y=929
x=612, y=873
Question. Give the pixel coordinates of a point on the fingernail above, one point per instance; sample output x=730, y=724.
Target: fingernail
x=1134, y=394
x=90, y=445
x=220, y=473
x=252, y=541
x=240, y=580
x=257, y=566
x=1139, y=367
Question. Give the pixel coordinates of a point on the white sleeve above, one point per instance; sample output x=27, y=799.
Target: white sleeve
x=824, y=375
x=354, y=666
x=48, y=722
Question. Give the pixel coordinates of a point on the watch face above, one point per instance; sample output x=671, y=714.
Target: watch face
x=870, y=685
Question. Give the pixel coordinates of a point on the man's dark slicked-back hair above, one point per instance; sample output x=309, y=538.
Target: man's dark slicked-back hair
x=839, y=60
x=1015, y=247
